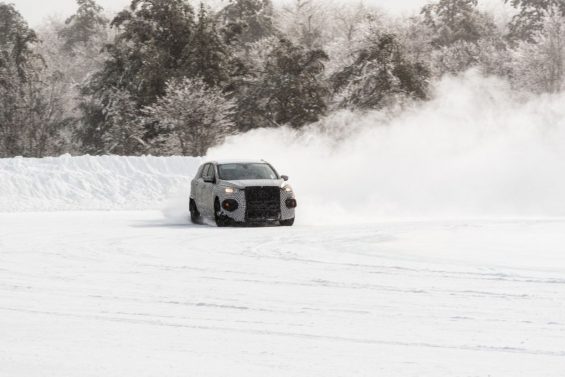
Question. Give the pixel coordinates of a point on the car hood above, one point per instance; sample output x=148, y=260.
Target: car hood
x=255, y=182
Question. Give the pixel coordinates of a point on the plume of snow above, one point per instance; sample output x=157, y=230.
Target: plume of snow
x=477, y=149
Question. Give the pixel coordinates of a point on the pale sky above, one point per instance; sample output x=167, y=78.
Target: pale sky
x=35, y=11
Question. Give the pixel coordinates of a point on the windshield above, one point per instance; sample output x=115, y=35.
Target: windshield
x=244, y=171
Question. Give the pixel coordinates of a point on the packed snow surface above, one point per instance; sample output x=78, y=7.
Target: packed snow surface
x=131, y=294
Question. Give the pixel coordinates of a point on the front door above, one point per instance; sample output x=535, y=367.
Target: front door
x=208, y=190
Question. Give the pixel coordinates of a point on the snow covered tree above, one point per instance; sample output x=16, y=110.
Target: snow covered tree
x=495, y=58
x=16, y=42
x=247, y=21
x=292, y=89
x=247, y=79
x=530, y=17
x=16, y=62
x=284, y=84
x=417, y=38
x=30, y=110
x=459, y=30
x=191, y=117
x=380, y=73
x=125, y=129
x=251, y=64
x=92, y=127
x=149, y=48
x=206, y=55
x=72, y=68
x=540, y=65
x=305, y=22
x=247, y=27
x=455, y=58
x=456, y=20
x=353, y=27
x=87, y=24
x=349, y=19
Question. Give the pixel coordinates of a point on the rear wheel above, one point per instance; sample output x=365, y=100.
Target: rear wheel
x=194, y=214
x=289, y=222
x=221, y=220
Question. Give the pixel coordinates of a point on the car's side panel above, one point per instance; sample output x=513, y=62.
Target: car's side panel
x=196, y=188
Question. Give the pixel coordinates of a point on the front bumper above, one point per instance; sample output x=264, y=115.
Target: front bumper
x=261, y=208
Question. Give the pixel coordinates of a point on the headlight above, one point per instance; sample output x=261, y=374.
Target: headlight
x=230, y=190
x=287, y=188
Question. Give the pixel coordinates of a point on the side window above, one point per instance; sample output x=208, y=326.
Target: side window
x=212, y=172
x=205, y=171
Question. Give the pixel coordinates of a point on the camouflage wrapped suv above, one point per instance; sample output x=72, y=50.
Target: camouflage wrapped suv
x=241, y=192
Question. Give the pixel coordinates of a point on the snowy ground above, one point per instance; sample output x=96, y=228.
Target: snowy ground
x=128, y=294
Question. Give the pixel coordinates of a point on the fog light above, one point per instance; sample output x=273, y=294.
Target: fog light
x=291, y=203
x=230, y=205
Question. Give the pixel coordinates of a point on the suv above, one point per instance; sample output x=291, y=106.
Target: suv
x=241, y=192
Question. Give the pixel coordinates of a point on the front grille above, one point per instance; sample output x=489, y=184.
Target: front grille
x=263, y=203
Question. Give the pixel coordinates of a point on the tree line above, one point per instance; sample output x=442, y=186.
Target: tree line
x=166, y=77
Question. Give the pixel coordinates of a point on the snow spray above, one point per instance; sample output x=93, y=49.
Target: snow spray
x=477, y=149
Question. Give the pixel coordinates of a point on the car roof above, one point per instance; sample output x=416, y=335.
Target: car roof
x=233, y=161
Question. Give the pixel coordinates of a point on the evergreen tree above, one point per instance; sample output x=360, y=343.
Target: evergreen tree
x=29, y=111
x=92, y=129
x=16, y=43
x=380, y=73
x=246, y=25
x=247, y=21
x=539, y=66
x=304, y=21
x=149, y=49
x=457, y=57
x=292, y=89
x=207, y=56
x=530, y=17
x=72, y=54
x=456, y=20
x=86, y=24
x=125, y=131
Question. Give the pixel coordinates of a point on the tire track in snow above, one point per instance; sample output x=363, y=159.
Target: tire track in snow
x=462, y=347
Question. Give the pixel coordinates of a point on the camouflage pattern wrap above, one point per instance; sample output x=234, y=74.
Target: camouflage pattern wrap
x=237, y=191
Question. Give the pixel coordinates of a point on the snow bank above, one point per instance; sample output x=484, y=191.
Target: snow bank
x=93, y=183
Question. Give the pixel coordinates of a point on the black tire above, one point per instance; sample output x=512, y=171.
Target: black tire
x=221, y=220
x=289, y=222
x=194, y=214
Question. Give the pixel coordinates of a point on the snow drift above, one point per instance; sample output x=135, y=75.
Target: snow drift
x=476, y=150
x=93, y=183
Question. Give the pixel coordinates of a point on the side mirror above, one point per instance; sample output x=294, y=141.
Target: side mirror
x=210, y=180
x=284, y=177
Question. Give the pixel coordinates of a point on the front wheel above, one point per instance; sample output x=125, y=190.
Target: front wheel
x=289, y=222
x=194, y=214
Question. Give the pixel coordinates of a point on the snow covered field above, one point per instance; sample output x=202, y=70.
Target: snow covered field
x=127, y=294
x=136, y=293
